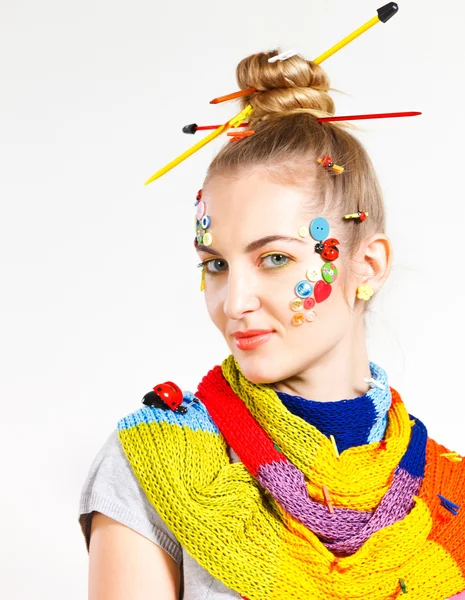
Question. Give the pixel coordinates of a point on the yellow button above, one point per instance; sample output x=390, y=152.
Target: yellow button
x=207, y=239
x=297, y=304
x=298, y=319
x=313, y=274
x=303, y=231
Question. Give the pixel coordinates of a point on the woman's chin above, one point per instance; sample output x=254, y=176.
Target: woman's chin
x=256, y=368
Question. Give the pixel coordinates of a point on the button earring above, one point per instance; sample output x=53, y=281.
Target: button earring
x=365, y=292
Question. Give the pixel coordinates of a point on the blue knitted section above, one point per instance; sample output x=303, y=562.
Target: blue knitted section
x=414, y=459
x=353, y=422
x=196, y=418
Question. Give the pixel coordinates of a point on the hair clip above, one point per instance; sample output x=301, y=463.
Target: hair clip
x=451, y=506
x=202, y=280
x=283, y=56
x=383, y=15
x=333, y=440
x=327, y=161
x=328, y=500
x=361, y=215
x=374, y=383
x=452, y=456
x=238, y=135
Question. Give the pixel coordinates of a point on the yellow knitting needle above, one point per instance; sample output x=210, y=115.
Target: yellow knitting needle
x=384, y=14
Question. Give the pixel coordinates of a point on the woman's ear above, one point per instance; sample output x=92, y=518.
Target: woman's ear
x=375, y=260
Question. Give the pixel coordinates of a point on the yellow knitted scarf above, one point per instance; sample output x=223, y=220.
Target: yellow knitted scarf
x=240, y=533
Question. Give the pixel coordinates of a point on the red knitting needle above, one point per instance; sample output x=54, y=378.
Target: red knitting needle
x=193, y=127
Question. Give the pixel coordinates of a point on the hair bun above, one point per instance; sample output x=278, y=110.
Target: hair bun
x=290, y=86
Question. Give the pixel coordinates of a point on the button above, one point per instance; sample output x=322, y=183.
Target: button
x=309, y=303
x=365, y=292
x=311, y=316
x=304, y=289
x=200, y=233
x=329, y=272
x=206, y=222
x=200, y=211
x=297, y=304
x=298, y=319
x=319, y=229
x=303, y=232
x=322, y=291
x=313, y=274
x=207, y=239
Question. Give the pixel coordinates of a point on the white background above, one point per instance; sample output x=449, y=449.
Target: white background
x=99, y=288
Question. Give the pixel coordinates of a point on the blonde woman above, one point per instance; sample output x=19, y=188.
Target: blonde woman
x=295, y=470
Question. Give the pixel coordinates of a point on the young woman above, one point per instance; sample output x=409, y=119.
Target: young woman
x=296, y=471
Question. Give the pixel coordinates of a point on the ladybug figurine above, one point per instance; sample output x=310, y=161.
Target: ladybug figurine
x=166, y=396
x=328, y=249
x=327, y=162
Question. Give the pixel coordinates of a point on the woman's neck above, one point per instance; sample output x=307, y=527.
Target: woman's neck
x=338, y=374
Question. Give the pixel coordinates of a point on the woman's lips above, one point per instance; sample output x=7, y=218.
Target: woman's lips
x=252, y=339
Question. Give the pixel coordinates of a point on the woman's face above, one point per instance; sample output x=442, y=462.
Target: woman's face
x=255, y=261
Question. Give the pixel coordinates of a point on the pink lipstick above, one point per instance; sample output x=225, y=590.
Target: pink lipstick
x=251, y=339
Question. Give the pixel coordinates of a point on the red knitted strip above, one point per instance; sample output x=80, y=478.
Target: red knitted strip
x=241, y=431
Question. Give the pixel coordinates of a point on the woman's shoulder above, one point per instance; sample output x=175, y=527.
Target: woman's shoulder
x=112, y=489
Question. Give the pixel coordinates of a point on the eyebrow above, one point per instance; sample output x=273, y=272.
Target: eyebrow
x=254, y=245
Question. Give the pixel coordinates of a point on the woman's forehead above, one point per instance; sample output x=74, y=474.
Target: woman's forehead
x=255, y=195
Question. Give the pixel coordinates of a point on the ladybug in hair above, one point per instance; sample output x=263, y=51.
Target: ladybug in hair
x=328, y=249
x=167, y=396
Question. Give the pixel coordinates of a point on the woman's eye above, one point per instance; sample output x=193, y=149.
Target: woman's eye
x=216, y=265
x=275, y=260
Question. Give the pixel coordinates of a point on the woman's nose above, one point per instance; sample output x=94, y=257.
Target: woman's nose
x=241, y=296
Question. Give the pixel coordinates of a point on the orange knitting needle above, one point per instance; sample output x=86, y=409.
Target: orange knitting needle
x=232, y=96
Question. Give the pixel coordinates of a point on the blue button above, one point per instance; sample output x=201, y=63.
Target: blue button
x=206, y=222
x=319, y=229
x=304, y=289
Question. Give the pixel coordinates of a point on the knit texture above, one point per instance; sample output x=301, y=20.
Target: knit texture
x=367, y=414
x=263, y=526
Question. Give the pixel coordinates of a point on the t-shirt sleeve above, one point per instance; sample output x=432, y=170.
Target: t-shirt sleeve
x=112, y=488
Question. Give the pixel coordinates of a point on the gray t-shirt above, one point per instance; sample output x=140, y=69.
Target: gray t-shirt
x=112, y=488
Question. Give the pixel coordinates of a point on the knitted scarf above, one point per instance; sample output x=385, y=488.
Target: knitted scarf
x=294, y=518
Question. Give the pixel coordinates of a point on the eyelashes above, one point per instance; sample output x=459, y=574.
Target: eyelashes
x=282, y=261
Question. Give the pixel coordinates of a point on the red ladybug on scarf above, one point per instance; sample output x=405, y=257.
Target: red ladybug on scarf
x=166, y=396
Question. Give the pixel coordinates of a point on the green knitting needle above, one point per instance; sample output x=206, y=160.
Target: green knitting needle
x=384, y=14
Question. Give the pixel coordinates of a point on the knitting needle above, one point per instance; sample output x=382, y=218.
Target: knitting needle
x=384, y=14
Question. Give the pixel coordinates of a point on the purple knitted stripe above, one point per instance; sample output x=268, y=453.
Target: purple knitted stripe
x=287, y=485
x=345, y=530
x=395, y=505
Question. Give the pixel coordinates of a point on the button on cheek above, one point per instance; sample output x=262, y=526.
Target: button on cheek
x=313, y=274
x=207, y=239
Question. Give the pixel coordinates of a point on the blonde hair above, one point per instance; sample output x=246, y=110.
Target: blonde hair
x=290, y=95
